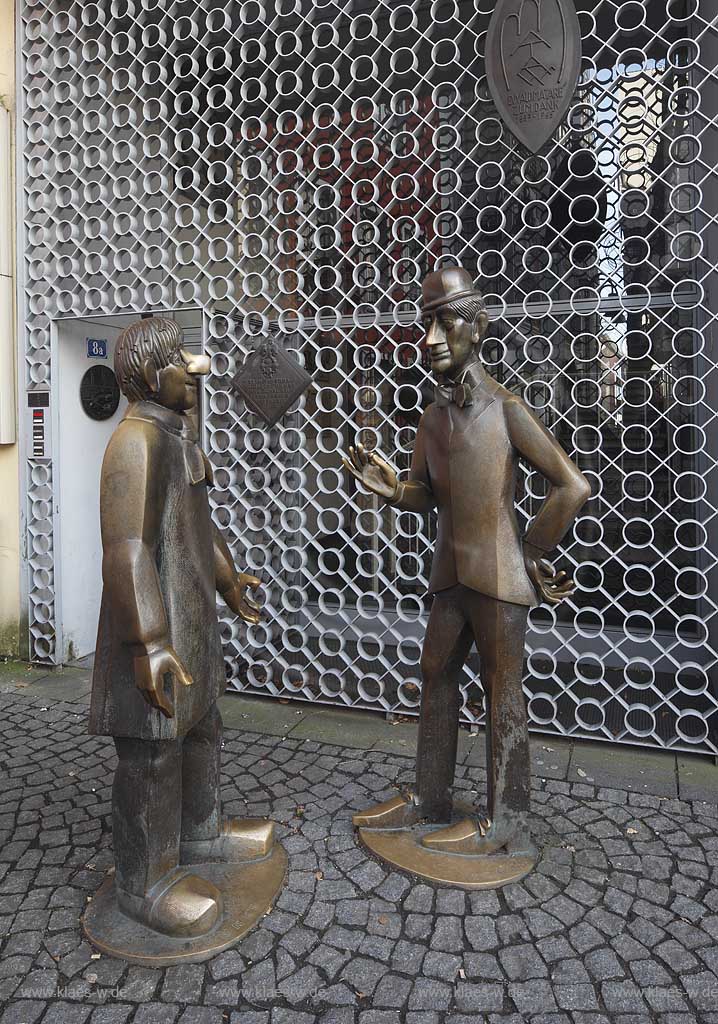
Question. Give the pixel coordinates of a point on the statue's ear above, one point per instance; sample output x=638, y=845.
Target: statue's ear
x=480, y=325
x=149, y=372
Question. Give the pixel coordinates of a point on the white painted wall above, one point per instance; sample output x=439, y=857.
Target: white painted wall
x=10, y=642
x=79, y=445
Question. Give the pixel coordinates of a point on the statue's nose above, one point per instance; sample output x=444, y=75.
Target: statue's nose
x=196, y=364
x=434, y=335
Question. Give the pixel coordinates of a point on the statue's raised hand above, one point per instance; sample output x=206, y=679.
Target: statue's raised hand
x=371, y=470
x=240, y=602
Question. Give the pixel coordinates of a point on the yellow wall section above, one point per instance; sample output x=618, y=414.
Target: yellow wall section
x=7, y=49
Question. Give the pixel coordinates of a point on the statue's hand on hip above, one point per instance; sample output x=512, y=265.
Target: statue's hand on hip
x=239, y=601
x=550, y=586
x=370, y=469
x=151, y=668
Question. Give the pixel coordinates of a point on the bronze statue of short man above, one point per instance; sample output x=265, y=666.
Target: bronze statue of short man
x=159, y=667
x=484, y=577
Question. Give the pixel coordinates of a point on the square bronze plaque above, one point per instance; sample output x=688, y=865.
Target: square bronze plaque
x=270, y=381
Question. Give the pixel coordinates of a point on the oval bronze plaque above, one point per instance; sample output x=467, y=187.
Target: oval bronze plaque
x=533, y=60
x=99, y=393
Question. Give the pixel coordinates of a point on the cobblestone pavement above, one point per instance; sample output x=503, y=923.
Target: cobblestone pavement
x=618, y=923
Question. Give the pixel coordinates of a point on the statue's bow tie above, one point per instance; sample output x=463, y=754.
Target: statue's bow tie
x=460, y=395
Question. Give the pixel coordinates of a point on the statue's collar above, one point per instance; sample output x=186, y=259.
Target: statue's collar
x=472, y=386
x=473, y=375
x=169, y=420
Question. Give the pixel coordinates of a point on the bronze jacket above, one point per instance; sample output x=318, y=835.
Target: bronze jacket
x=161, y=558
x=465, y=464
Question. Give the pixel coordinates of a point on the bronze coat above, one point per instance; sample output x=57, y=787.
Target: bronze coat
x=159, y=572
x=465, y=464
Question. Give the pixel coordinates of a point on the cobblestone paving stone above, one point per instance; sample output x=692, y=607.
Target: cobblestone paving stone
x=619, y=923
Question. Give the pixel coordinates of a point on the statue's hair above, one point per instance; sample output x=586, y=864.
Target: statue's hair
x=468, y=309
x=155, y=339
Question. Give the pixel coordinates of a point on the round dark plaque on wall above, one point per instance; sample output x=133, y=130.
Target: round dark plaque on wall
x=99, y=392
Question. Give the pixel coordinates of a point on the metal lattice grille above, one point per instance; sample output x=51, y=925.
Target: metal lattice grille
x=302, y=164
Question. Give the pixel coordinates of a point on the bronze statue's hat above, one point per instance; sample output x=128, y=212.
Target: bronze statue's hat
x=448, y=285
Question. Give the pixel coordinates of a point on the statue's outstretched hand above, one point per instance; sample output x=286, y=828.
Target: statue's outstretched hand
x=240, y=603
x=150, y=671
x=372, y=470
x=550, y=586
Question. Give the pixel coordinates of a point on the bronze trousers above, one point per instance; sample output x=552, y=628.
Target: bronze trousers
x=459, y=618
x=164, y=792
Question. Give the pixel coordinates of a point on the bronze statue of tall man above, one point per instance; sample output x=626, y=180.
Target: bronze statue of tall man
x=485, y=576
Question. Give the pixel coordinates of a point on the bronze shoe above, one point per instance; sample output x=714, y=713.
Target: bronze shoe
x=398, y=812
x=466, y=836
x=240, y=839
x=481, y=837
x=180, y=904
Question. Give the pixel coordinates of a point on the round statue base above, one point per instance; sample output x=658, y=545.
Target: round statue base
x=248, y=889
x=401, y=848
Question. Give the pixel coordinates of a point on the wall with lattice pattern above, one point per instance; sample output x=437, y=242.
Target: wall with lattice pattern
x=302, y=164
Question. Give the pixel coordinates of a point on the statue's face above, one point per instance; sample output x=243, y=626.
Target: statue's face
x=177, y=383
x=450, y=340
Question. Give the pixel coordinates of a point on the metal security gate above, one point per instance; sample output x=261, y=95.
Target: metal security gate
x=303, y=163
